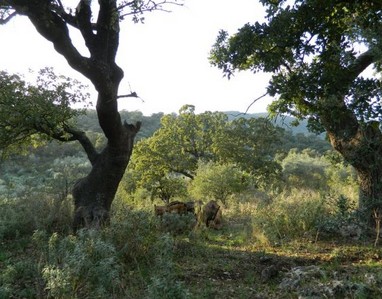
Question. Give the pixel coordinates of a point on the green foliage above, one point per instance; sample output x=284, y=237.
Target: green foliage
x=43, y=108
x=20, y=217
x=166, y=162
x=81, y=266
x=289, y=216
x=319, y=195
x=164, y=283
x=160, y=163
x=218, y=181
x=13, y=278
x=176, y=224
x=342, y=216
x=251, y=144
x=305, y=170
x=132, y=232
x=316, y=51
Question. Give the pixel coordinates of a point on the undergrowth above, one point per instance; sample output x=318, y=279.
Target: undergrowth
x=269, y=246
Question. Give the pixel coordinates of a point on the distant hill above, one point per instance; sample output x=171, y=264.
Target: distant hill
x=284, y=122
x=89, y=122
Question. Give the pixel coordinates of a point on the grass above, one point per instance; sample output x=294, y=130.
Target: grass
x=149, y=262
x=211, y=269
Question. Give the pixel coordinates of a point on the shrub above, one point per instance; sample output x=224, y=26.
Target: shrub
x=289, y=216
x=217, y=181
x=21, y=217
x=163, y=283
x=82, y=266
x=176, y=224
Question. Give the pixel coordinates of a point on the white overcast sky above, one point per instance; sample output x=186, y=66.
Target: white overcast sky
x=165, y=60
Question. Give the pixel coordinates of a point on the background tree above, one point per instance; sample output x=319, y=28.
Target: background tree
x=98, y=24
x=32, y=113
x=252, y=145
x=317, y=52
x=152, y=170
x=218, y=181
x=175, y=151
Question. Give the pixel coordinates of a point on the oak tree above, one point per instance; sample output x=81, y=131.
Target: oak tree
x=98, y=24
x=317, y=52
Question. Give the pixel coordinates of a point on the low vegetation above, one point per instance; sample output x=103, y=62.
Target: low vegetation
x=299, y=239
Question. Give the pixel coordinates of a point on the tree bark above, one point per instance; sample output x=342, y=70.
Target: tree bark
x=93, y=195
x=361, y=146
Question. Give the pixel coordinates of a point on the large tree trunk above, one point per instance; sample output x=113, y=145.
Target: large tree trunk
x=93, y=195
x=361, y=146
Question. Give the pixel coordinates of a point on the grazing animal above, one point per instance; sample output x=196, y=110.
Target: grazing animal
x=216, y=223
x=190, y=207
x=177, y=207
x=211, y=215
x=159, y=210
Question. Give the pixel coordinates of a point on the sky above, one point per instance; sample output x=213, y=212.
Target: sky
x=165, y=60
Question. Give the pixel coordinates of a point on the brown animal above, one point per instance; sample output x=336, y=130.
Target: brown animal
x=159, y=210
x=211, y=215
x=177, y=207
x=190, y=207
x=216, y=223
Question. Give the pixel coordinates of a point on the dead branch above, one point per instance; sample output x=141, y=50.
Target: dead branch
x=253, y=102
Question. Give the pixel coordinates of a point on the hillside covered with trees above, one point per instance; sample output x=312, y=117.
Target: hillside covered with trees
x=113, y=204
x=279, y=192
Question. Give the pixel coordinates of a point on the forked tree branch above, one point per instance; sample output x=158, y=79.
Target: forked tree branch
x=87, y=145
x=147, y=6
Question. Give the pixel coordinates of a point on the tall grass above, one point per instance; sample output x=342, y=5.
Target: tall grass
x=132, y=258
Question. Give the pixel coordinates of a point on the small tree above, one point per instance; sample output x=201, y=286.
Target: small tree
x=217, y=181
x=251, y=144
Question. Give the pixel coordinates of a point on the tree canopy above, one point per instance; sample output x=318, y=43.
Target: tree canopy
x=318, y=52
x=315, y=49
x=31, y=111
x=185, y=142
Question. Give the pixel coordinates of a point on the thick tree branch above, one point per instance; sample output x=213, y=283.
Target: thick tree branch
x=83, y=19
x=54, y=28
x=75, y=135
x=85, y=142
x=362, y=62
x=130, y=95
x=108, y=31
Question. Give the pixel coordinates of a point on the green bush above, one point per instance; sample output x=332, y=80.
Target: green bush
x=133, y=233
x=82, y=266
x=164, y=284
x=131, y=258
x=177, y=224
x=21, y=217
x=289, y=216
